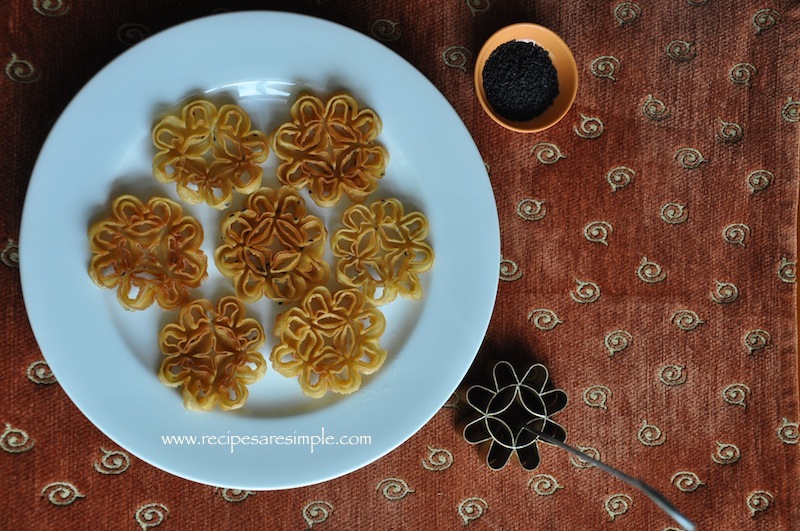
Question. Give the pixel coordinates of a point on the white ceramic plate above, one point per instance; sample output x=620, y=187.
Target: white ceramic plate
x=105, y=358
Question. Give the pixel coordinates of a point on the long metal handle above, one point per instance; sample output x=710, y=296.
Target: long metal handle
x=651, y=493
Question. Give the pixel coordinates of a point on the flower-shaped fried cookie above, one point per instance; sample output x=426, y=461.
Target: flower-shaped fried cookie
x=273, y=247
x=148, y=252
x=212, y=354
x=330, y=147
x=382, y=250
x=329, y=341
x=209, y=153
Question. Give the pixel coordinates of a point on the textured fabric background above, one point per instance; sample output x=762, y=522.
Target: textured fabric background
x=658, y=216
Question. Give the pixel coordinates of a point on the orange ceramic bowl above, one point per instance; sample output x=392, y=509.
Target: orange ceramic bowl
x=562, y=59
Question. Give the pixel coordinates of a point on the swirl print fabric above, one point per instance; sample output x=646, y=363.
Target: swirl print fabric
x=648, y=261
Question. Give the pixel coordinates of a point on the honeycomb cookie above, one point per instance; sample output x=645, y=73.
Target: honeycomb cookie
x=329, y=341
x=330, y=148
x=382, y=250
x=211, y=353
x=273, y=247
x=209, y=153
x=149, y=252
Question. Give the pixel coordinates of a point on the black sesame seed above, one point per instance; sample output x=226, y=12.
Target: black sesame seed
x=520, y=81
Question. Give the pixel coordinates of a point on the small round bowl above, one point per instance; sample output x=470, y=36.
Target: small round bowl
x=562, y=59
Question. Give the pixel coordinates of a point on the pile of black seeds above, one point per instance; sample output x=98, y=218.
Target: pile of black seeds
x=519, y=80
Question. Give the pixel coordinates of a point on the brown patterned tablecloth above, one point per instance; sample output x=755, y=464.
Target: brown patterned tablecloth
x=648, y=261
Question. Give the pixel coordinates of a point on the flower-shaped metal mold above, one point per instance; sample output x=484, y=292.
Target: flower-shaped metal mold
x=506, y=408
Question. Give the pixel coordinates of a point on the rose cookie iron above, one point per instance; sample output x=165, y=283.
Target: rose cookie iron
x=514, y=414
x=502, y=412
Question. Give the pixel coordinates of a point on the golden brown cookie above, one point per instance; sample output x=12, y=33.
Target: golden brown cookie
x=147, y=252
x=382, y=250
x=328, y=341
x=211, y=352
x=208, y=153
x=330, y=147
x=273, y=247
